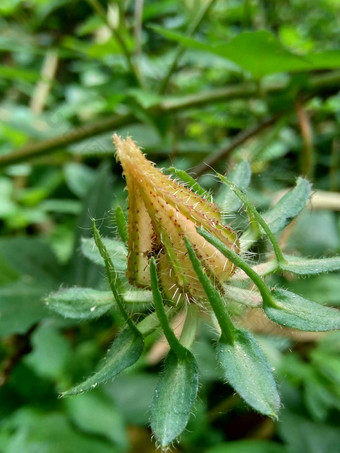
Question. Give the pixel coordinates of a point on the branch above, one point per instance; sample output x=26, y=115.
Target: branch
x=240, y=138
x=325, y=83
x=32, y=150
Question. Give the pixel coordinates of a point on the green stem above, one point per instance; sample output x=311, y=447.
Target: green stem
x=180, y=50
x=279, y=255
x=227, y=327
x=151, y=322
x=238, y=261
x=190, y=326
x=115, y=283
x=174, y=344
x=101, y=12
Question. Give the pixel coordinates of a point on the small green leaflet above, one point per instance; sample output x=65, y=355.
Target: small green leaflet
x=124, y=352
x=247, y=369
x=294, y=311
x=226, y=200
x=174, y=397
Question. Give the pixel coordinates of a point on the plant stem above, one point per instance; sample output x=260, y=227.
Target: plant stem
x=317, y=83
x=227, y=327
x=180, y=50
x=238, y=261
x=279, y=256
x=101, y=12
x=115, y=283
x=238, y=140
x=174, y=344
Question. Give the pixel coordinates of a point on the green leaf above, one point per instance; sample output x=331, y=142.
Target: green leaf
x=303, y=266
x=88, y=303
x=108, y=422
x=301, y=434
x=174, y=397
x=247, y=369
x=189, y=181
x=7, y=272
x=289, y=206
x=294, y=311
x=32, y=258
x=115, y=248
x=33, y=430
x=248, y=446
x=80, y=303
x=21, y=306
x=79, y=178
x=258, y=52
x=240, y=176
x=124, y=352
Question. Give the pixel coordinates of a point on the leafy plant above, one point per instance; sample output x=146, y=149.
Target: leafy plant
x=183, y=259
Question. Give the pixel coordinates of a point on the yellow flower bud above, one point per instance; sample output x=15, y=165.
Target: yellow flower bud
x=161, y=213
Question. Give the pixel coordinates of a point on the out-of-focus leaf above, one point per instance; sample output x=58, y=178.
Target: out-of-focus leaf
x=132, y=394
x=96, y=204
x=248, y=446
x=323, y=288
x=21, y=306
x=51, y=352
x=32, y=258
x=315, y=233
x=301, y=434
x=33, y=431
x=259, y=52
x=95, y=414
x=116, y=249
x=79, y=178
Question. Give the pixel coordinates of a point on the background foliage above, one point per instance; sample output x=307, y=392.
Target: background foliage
x=190, y=81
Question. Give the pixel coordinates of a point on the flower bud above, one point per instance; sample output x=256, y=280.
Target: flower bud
x=161, y=213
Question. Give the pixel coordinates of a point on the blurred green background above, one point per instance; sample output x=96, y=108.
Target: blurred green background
x=191, y=82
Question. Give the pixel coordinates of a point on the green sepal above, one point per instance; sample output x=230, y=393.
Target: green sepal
x=291, y=310
x=121, y=224
x=174, y=397
x=244, y=364
x=247, y=370
x=124, y=352
x=189, y=181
